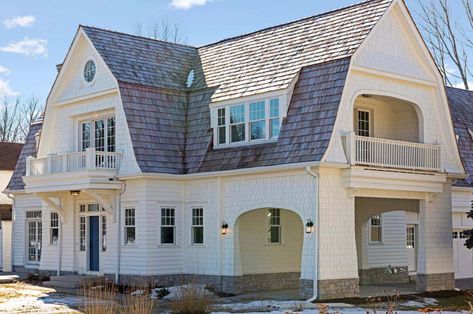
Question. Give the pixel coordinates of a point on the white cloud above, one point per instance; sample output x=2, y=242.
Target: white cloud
x=5, y=89
x=28, y=47
x=187, y=4
x=462, y=86
x=4, y=70
x=19, y=21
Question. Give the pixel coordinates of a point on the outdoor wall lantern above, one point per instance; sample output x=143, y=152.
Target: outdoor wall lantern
x=309, y=226
x=75, y=193
x=224, y=228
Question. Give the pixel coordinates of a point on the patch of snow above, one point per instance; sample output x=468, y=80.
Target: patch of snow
x=176, y=291
x=138, y=292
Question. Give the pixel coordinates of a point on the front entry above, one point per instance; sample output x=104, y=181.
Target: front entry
x=94, y=241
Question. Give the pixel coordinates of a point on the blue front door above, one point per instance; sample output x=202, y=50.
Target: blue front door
x=94, y=243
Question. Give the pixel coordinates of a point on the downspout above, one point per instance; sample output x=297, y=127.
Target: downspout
x=316, y=234
x=119, y=226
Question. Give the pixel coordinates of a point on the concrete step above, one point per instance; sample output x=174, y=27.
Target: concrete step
x=70, y=281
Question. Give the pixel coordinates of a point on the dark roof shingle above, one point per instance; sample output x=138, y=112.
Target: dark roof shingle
x=29, y=149
x=461, y=110
x=9, y=155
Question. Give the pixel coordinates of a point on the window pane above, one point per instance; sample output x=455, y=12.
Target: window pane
x=82, y=233
x=363, y=123
x=274, y=234
x=274, y=128
x=237, y=114
x=221, y=117
x=376, y=234
x=85, y=130
x=274, y=108
x=130, y=235
x=222, y=136
x=167, y=235
x=257, y=111
x=237, y=133
x=258, y=130
x=100, y=135
x=104, y=233
x=197, y=235
x=111, y=134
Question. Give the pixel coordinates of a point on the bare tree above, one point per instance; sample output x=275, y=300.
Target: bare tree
x=164, y=30
x=448, y=41
x=16, y=117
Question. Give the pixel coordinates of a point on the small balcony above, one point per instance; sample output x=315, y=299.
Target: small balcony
x=90, y=169
x=393, y=154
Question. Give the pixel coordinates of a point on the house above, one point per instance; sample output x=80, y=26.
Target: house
x=263, y=161
x=8, y=158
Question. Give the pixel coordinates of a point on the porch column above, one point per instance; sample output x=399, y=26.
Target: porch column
x=435, y=263
x=338, y=266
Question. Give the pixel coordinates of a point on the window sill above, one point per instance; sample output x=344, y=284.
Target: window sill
x=376, y=243
x=243, y=144
x=166, y=245
x=197, y=246
x=275, y=244
x=129, y=245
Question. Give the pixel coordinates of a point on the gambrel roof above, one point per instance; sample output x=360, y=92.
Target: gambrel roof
x=461, y=109
x=169, y=122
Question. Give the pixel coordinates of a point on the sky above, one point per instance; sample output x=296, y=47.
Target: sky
x=35, y=35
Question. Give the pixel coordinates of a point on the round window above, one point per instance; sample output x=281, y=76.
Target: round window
x=89, y=71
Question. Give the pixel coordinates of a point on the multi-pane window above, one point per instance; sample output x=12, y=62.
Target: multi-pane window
x=237, y=123
x=274, y=232
x=197, y=225
x=99, y=134
x=168, y=225
x=257, y=120
x=82, y=234
x=130, y=228
x=364, y=127
x=410, y=237
x=252, y=121
x=455, y=235
x=274, y=118
x=104, y=233
x=222, y=128
x=54, y=228
x=375, y=228
x=34, y=235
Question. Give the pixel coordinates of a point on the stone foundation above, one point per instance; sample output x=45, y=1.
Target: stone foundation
x=435, y=282
x=23, y=272
x=226, y=284
x=383, y=276
x=306, y=288
x=338, y=288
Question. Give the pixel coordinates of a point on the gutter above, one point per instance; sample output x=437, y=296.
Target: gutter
x=316, y=234
x=234, y=172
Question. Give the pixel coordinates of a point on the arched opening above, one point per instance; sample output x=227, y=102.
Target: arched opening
x=269, y=243
x=388, y=118
x=386, y=239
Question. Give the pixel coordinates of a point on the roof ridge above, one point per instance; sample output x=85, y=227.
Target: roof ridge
x=292, y=22
x=136, y=36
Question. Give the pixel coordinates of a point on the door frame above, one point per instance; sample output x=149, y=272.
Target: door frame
x=85, y=254
x=34, y=264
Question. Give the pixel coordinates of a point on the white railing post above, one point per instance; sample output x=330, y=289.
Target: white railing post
x=49, y=163
x=29, y=160
x=351, y=147
x=64, y=163
x=90, y=158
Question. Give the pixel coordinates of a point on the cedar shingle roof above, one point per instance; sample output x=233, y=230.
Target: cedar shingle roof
x=461, y=109
x=269, y=59
x=9, y=155
x=29, y=149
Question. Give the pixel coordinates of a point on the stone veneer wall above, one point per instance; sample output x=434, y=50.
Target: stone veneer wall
x=435, y=282
x=306, y=288
x=226, y=284
x=338, y=288
x=381, y=276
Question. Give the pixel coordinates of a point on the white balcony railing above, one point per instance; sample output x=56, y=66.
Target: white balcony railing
x=384, y=153
x=68, y=162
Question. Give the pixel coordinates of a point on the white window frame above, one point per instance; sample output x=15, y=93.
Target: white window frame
x=104, y=222
x=82, y=233
x=370, y=120
x=55, y=227
x=128, y=225
x=83, y=71
x=37, y=219
x=195, y=225
x=379, y=227
x=105, y=118
x=166, y=225
x=271, y=225
x=247, y=103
